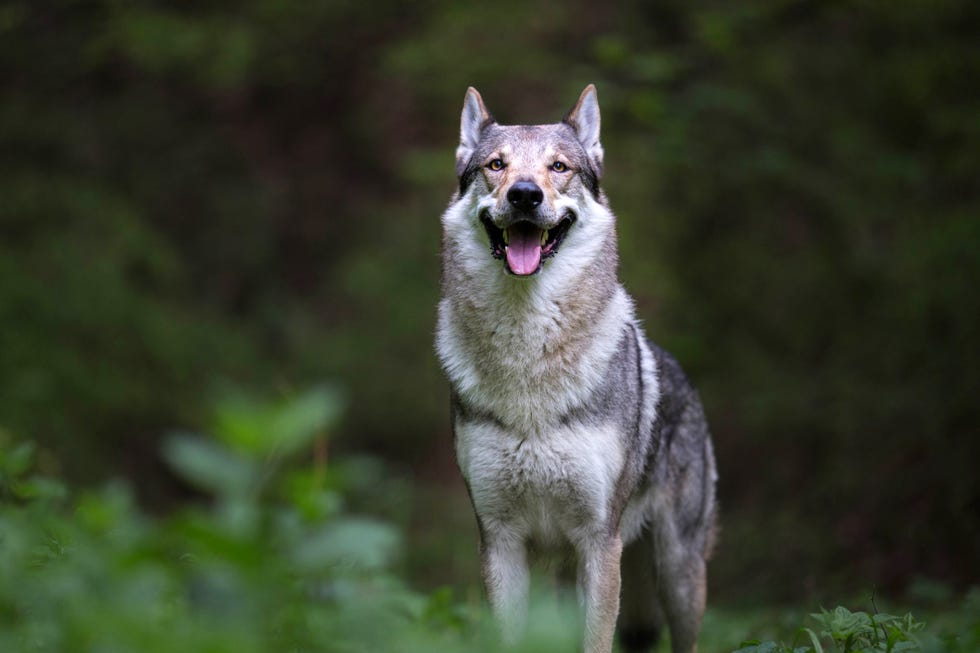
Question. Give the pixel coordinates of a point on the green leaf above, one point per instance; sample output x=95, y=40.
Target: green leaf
x=843, y=624
x=210, y=466
x=817, y=648
x=277, y=429
x=41, y=488
x=299, y=421
x=355, y=542
x=18, y=460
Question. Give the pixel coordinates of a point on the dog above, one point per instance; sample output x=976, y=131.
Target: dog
x=575, y=436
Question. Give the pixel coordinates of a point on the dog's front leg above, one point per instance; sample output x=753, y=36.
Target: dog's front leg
x=507, y=579
x=599, y=582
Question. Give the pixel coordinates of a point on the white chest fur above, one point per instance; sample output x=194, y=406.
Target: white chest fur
x=551, y=487
x=517, y=363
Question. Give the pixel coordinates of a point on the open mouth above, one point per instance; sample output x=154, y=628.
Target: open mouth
x=524, y=245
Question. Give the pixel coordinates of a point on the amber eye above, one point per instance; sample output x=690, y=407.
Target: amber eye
x=558, y=166
x=496, y=164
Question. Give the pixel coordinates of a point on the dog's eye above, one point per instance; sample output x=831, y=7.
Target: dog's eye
x=558, y=166
x=496, y=164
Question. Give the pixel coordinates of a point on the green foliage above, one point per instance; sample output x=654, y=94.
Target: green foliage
x=17, y=483
x=272, y=559
x=844, y=631
x=276, y=430
x=253, y=569
x=858, y=631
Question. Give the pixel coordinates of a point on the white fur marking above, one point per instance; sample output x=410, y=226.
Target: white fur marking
x=553, y=487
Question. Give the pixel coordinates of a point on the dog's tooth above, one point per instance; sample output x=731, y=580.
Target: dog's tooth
x=506, y=236
x=544, y=237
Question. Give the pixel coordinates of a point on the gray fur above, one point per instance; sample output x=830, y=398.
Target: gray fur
x=574, y=434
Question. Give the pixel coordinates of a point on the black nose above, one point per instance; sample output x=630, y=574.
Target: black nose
x=525, y=195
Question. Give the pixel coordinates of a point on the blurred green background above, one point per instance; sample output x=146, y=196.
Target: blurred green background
x=197, y=196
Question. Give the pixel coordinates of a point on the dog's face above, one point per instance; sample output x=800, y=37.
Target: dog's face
x=530, y=183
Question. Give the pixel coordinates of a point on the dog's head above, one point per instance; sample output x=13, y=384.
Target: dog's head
x=529, y=184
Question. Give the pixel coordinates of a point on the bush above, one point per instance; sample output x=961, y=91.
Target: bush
x=859, y=632
x=271, y=561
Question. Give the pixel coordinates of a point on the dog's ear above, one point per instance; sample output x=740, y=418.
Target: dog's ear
x=584, y=119
x=475, y=117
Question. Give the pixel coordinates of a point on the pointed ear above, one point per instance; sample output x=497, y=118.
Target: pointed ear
x=475, y=117
x=584, y=119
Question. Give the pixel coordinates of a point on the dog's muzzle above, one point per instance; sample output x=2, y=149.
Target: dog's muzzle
x=524, y=244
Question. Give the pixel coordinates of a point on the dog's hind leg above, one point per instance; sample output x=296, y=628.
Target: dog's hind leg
x=683, y=592
x=684, y=524
x=640, y=617
x=683, y=536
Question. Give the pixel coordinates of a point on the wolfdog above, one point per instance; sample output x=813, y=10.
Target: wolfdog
x=576, y=437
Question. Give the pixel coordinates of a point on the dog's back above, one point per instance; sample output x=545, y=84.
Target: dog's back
x=572, y=432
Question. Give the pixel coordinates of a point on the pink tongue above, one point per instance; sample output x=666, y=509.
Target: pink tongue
x=524, y=249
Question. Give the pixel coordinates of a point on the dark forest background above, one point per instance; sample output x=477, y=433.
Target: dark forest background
x=196, y=196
